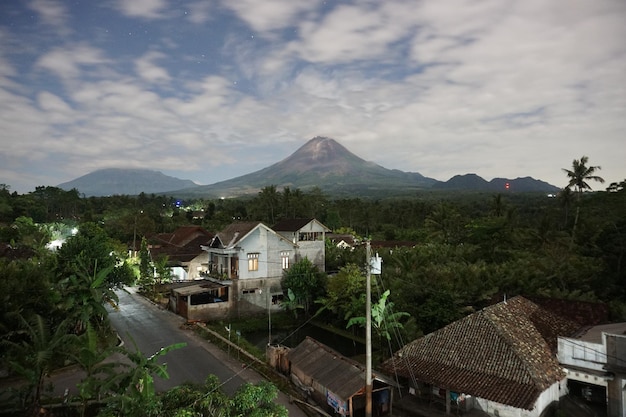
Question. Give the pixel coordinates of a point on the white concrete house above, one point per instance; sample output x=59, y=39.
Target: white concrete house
x=253, y=257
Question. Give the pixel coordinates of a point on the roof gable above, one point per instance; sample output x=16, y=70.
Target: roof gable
x=233, y=234
x=499, y=353
x=294, y=225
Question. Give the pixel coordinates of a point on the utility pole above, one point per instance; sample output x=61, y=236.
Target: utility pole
x=368, y=333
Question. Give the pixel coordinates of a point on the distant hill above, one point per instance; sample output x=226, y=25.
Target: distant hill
x=120, y=181
x=323, y=163
x=473, y=182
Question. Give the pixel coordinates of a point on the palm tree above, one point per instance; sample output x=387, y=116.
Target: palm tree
x=581, y=173
x=578, y=177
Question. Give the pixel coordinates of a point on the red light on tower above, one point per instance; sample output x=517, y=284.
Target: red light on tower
x=507, y=185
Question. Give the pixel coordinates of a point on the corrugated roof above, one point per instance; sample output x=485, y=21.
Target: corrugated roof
x=504, y=353
x=197, y=288
x=341, y=375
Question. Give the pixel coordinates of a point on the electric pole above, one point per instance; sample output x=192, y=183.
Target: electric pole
x=368, y=333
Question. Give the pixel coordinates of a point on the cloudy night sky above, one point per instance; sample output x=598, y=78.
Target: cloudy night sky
x=210, y=90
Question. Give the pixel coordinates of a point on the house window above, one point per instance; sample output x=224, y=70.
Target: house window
x=310, y=236
x=284, y=259
x=253, y=262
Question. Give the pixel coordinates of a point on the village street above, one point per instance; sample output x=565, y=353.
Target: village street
x=140, y=322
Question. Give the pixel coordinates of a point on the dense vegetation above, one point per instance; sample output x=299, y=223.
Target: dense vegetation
x=446, y=255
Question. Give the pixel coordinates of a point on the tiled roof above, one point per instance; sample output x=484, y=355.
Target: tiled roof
x=504, y=353
x=231, y=234
x=182, y=236
x=291, y=225
x=182, y=245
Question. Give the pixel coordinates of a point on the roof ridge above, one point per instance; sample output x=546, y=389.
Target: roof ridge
x=515, y=344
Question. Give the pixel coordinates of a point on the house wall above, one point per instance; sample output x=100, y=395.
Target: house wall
x=581, y=354
x=268, y=246
x=550, y=395
x=256, y=296
x=616, y=364
x=208, y=312
x=198, y=265
x=314, y=250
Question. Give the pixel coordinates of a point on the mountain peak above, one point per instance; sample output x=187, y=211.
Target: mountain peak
x=322, y=149
x=322, y=155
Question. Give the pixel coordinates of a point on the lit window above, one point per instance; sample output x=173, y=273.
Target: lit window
x=284, y=257
x=253, y=262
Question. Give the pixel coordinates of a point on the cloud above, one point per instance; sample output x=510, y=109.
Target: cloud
x=51, y=12
x=355, y=32
x=199, y=12
x=148, y=70
x=146, y=9
x=68, y=62
x=269, y=16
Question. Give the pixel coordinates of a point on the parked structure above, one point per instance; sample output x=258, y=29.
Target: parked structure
x=501, y=360
x=595, y=363
x=334, y=382
x=186, y=258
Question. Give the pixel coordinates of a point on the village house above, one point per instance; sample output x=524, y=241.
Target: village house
x=501, y=360
x=186, y=259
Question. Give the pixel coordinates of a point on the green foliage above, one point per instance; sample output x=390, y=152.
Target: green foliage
x=134, y=390
x=384, y=320
x=83, y=297
x=90, y=250
x=256, y=400
x=305, y=283
x=345, y=295
x=33, y=351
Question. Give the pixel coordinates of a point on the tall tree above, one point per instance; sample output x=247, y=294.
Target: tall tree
x=579, y=176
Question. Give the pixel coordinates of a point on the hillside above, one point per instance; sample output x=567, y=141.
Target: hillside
x=323, y=163
x=118, y=181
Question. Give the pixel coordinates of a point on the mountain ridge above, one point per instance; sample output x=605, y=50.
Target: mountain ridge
x=321, y=162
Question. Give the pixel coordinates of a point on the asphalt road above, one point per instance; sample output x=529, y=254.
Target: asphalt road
x=142, y=323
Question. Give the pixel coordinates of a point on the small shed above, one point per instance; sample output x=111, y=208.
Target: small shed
x=336, y=381
x=203, y=301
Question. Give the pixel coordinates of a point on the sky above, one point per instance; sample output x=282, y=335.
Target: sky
x=210, y=90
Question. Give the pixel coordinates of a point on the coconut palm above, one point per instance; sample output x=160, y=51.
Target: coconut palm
x=581, y=173
x=578, y=177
